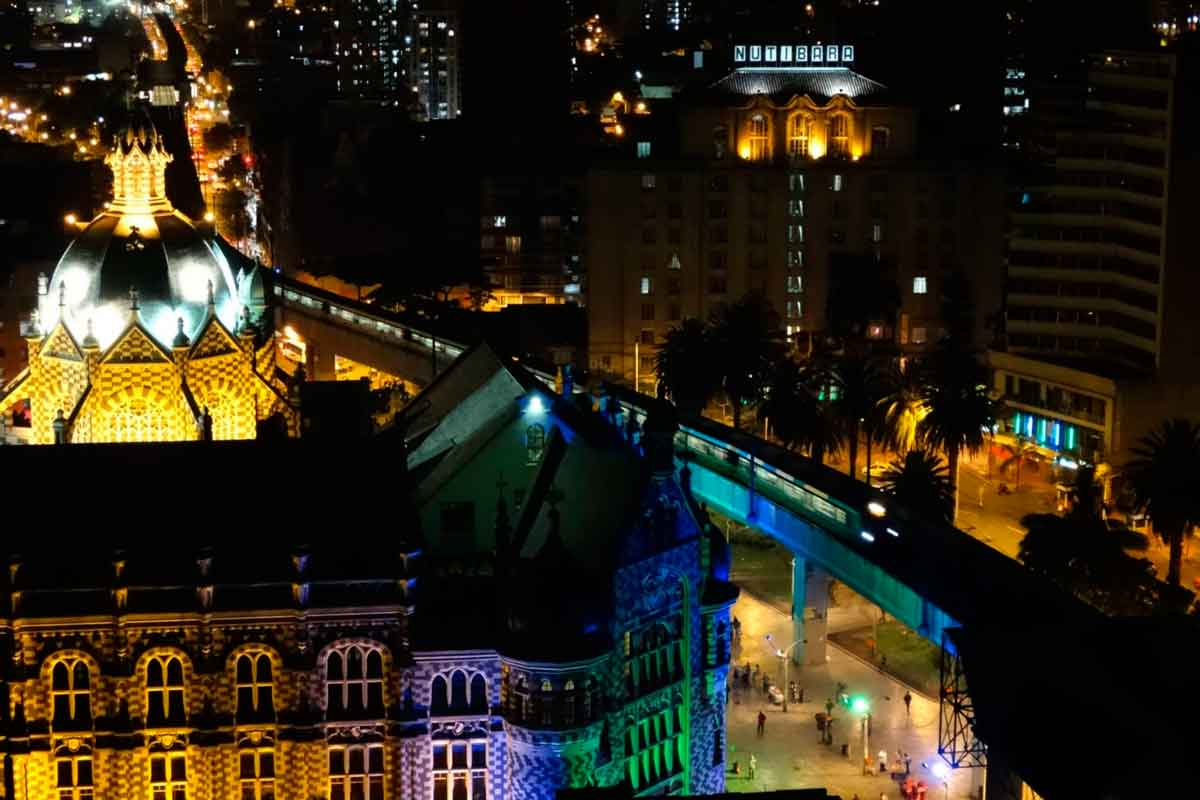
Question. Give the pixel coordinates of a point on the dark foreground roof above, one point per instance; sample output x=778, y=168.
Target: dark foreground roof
x=1107, y=710
x=786, y=82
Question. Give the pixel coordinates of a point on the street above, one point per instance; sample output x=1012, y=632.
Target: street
x=790, y=754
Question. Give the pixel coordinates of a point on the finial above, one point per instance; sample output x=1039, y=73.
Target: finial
x=211, y=299
x=62, y=296
x=90, y=339
x=133, y=299
x=181, y=338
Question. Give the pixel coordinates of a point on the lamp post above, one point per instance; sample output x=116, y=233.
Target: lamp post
x=783, y=654
x=942, y=773
x=637, y=378
x=861, y=706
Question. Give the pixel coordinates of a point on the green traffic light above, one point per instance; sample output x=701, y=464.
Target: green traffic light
x=859, y=705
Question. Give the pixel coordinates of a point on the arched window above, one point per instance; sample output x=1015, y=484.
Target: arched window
x=70, y=687
x=254, y=686
x=839, y=135
x=164, y=691
x=458, y=691
x=256, y=767
x=354, y=681
x=356, y=772
x=546, y=687
x=535, y=444
x=479, y=694
x=73, y=770
x=759, y=149
x=798, y=130
x=881, y=139
x=439, y=703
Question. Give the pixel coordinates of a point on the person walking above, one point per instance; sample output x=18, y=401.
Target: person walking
x=766, y=684
x=762, y=724
x=829, y=706
x=908, y=703
x=882, y=762
x=753, y=765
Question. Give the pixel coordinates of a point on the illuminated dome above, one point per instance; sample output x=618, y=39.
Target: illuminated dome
x=140, y=243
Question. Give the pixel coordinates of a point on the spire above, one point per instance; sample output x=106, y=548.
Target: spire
x=212, y=302
x=62, y=297
x=90, y=339
x=34, y=331
x=181, y=338
x=133, y=299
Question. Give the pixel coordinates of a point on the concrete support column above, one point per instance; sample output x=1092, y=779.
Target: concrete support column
x=799, y=600
x=817, y=622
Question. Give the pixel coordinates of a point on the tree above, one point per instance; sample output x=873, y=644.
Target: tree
x=856, y=385
x=921, y=483
x=799, y=419
x=1085, y=495
x=1163, y=478
x=1021, y=449
x=685, y=367
x=959, y=406
x=745, y=342
x=903, y=405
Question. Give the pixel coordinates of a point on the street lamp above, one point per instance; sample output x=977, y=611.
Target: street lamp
x=942, y=772
x=783, y=654
x=859, y=705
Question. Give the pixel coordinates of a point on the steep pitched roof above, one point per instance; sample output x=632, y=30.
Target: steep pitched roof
x=135, y=345
x=818, y=83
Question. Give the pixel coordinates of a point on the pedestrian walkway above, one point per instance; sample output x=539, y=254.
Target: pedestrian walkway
x=790, y=755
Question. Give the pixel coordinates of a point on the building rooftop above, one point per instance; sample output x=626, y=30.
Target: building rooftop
x=782, y=83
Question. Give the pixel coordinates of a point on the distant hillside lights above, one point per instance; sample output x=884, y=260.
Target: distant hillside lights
x=801, y=55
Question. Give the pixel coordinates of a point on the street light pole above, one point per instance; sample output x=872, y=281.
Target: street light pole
x=861, y=705
x=637, y=383
x=783, y=654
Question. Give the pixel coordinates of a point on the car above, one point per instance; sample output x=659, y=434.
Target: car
x=878, y=469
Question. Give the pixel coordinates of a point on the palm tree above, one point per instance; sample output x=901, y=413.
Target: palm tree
x=1022, y=449
x=903, y=405
x=1163, y=477
x=684, y=365
x=856, y=386
x=1085, y=495
x=745, y=343
x=921, y=484
x=959, y=407
x=799, y=419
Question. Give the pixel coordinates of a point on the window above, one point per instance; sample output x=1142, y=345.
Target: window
x=356, y=772
x=718, y=259
x=674, y=312
x=718, y=183
x=674, y=183
x=71, y=693
x=460, y=769
x=647, y=312
x=512, y=244
x=798, y=129
x=918, y=336
x=837, y=183
x=499, y=221
x=795, y=208
x=756, y=139
x=717, y=285
x=643, y=149
x=647, y=336
x=168, y=776
x=920, y=285
x=795, y=233
x=535, y=444
x=795, y=309
x=839, y=136
x=254, y=686
x=672, y=286
x=795, y=259
x=881, y=139
x=876, y=233
x=487, y=242
x=795, y=284
x=648, y=365
x=646, y=285
x=674, y=210
x=649, y=235
x=354, y=679
x=718, y=234
x=647, y=181
x=674, y=236
x=796, y=182
x=717, y=209
x=551, y=222
x=164, y=691
x=256, y=771
x=74, y=770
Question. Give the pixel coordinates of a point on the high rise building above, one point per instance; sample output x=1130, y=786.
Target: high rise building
x=1101, y=339
x=434, y=59
x=371, y=51
x=666, y=15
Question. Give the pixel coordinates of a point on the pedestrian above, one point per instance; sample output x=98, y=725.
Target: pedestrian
x=882, y=762
x=908, y=703
x=766, y=683
x=907, y=764
x=829, y=705
x=762, y=724
x=981, y=496
x=829, y=730
x=753, y=765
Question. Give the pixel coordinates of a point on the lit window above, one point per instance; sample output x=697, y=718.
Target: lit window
x=535, y=444
x=646, y=286
x=643, y=149
x=512, y=244
x=796, y=208
x=499, y=221
x=168, y=776
x=647, y=336
x=795, y=310
x=918, y=336
x=795, y=259
x=839, y=135
x=647, y=312
x=647, y=181
x=795, y=233
x=460, y=769
x=256, y=771
x=74, y=773
x=164, y=691
x=798, y=129
x=796, y=182
x=70, y=687
x=254, y=686
x=877, y=233
x=837, y=183
x=920, y=285
x=795, y=284
x=354, y=682
x=757, y=138
x=356, y=772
